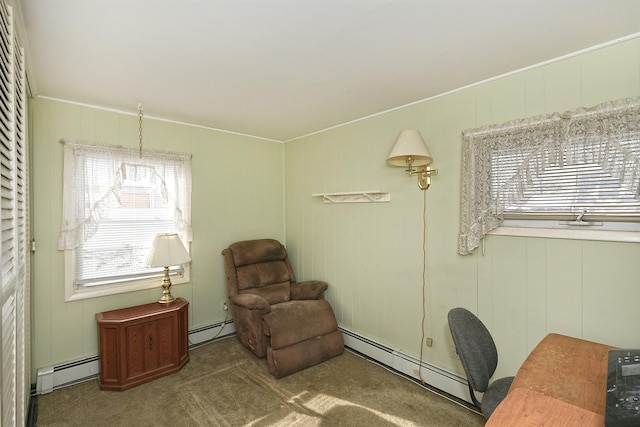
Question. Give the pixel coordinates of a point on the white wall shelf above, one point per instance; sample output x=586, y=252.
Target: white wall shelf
x=373, y=196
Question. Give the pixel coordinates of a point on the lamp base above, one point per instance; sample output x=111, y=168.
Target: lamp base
x=166, y=299
x=166, y=284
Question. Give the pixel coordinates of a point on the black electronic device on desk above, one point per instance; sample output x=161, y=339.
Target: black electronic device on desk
x=623, y=388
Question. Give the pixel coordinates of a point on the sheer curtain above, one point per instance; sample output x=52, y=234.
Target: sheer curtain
x=603, y=135
x=95, y=174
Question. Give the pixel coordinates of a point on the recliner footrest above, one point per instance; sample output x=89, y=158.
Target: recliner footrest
x=297, y=321
x=287, y=360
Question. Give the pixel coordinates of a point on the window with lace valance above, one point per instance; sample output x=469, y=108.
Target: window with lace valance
x=115, y=201
x=576, y=169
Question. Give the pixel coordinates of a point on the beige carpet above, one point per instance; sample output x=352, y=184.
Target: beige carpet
x=225, y=385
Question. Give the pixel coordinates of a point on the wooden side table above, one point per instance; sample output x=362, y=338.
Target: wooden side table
x=139, y=344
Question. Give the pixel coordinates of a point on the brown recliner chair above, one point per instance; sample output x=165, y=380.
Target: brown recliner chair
x=291, y=323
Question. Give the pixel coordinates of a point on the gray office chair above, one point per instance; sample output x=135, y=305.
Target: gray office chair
x=479, y=358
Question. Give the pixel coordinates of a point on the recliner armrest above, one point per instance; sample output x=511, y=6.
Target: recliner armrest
x=251, y=302
x=311, y=289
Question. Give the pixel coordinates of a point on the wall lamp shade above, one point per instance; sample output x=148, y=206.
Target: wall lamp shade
x=409, y=145
x=167, y=250
x=410, y=150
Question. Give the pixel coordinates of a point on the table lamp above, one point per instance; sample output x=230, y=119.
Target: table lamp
x=167, y=250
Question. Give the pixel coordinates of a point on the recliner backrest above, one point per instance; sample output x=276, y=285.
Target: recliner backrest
x=262, y=267
x=475, y=346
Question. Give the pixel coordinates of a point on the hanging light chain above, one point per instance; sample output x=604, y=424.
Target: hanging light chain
x=140, y=126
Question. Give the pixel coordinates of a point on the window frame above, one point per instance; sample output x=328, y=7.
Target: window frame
x=512, y=228
x=570, y=138
x=75, y=228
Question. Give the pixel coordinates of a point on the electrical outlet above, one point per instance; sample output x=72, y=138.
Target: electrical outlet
x=225, y=307
x=429, y=342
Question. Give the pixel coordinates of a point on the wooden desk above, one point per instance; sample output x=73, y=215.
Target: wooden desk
x=525, y=407
x=561, y=383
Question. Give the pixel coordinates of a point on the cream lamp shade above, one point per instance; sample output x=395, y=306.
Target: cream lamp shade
x=167, y=250
x=409, y=149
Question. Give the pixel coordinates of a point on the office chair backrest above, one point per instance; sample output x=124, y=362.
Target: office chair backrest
x=475, y=346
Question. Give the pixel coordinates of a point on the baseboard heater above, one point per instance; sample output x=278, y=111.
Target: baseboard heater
x=433, y=376
x=55, y=377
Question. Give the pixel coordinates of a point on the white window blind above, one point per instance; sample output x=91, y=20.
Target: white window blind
x=565, y=191
x=574, y=168
x=115, y=202
x=14, y=285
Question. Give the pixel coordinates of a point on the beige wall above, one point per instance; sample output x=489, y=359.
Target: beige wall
x=522, y=288
x=371, y=254
x=237, y=194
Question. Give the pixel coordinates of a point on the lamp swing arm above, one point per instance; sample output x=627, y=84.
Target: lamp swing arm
x=410, y=170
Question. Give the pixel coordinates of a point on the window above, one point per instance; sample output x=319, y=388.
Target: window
x=573, y=171
x=115, y=202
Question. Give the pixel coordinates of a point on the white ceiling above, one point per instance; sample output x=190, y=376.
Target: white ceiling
x=280, y=69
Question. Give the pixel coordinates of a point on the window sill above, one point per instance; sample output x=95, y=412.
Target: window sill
x=569, y=233
x=74, y=294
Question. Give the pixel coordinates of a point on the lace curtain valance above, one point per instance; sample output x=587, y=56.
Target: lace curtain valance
x=94, y=176
x=580, y=136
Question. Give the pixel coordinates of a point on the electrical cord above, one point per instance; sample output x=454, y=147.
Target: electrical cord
x=423, y=383
x=222, y=325
x=424, y=280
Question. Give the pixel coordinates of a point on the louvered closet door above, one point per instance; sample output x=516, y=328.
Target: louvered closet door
x=14, y=279
x=22, y=372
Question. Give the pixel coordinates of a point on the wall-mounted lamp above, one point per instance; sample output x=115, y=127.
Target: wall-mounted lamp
x=411, y=151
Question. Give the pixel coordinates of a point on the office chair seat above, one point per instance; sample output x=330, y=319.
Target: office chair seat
x=496, y=391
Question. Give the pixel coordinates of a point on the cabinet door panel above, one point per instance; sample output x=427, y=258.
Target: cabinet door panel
x=167, y=351
x=151, y=347
x=183, y=336
x=110, y=356
x=136, y=342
